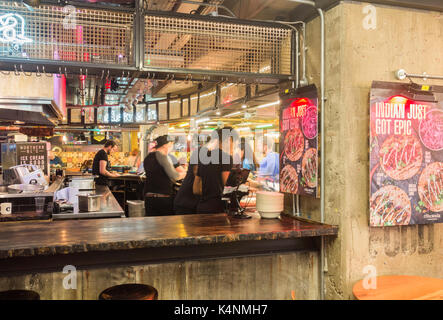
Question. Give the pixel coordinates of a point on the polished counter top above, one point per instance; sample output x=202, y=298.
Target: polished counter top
x=28, y=239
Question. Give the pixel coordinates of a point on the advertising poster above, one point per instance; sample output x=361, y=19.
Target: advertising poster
x=406, y=154
x=299, y=141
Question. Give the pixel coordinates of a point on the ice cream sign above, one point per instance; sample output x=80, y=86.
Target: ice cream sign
x=12, y=29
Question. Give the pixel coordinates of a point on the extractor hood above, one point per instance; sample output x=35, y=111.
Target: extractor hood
x=29, y=111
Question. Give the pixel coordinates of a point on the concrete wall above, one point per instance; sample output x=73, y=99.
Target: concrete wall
x=403, y=38
x=278, y=276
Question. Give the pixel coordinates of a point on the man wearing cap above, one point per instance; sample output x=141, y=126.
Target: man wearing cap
x=160, y=178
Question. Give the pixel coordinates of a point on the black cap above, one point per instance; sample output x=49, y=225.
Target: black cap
x=162, y=140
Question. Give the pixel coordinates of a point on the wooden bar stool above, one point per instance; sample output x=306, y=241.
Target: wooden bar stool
x=19, y=295
x=130, y=291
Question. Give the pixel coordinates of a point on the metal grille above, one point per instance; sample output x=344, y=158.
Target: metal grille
x=168, y=5
x=70, y=34
x=179, y=43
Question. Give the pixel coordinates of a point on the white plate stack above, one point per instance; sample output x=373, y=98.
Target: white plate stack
x=269, y=204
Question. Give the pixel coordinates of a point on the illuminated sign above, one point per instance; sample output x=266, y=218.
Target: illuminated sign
x=12, y=29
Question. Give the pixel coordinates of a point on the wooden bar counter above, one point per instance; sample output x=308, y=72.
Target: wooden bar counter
x=107, y=245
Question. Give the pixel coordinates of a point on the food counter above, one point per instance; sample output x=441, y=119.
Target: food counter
x=164, y=252
x=110, y=208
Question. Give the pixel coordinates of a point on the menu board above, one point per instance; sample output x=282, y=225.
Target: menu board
x=33, y=153
x=406, y=154
x=299, y=141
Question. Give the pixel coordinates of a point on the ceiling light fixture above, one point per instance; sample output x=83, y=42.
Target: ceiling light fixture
x=202, y=120
x=233, y=114
x=268, y=104
x=264, y=126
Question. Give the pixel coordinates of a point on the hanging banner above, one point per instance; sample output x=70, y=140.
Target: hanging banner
x=299, y=141
x=406, y=154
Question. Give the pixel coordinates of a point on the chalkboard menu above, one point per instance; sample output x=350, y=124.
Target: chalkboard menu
x=33, y=153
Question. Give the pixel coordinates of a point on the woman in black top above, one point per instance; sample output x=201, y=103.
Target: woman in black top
x=213, y=172
x=160, y=178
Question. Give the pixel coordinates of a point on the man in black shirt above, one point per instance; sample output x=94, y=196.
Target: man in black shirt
x=213, y=171
x=160, y=178
x=100, y=165
x=185, y=201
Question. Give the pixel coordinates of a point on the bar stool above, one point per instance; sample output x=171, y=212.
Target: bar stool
x=130, y=291
x=19, y=295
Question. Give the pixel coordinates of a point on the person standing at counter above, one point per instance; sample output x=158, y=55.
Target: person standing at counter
x=185, y=202
x=160, y=178
x=100, y=165
x=213, y=171
x=269, y=166
x=248, y=160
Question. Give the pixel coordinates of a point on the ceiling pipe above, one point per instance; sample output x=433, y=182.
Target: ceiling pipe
x=322, y=140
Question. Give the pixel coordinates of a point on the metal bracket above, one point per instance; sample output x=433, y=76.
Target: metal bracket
x=401, y=74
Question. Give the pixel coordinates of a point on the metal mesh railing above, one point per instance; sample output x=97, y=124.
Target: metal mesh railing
x=66, y=34
x=179, y=43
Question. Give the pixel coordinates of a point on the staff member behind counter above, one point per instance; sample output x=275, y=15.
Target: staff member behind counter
x=100, y=165
x=185, y=201
x=213, y=170
x=160, y=178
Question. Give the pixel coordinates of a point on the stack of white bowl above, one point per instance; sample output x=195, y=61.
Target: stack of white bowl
x=269, y=204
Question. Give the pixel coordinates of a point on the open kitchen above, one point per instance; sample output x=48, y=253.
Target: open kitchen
x=175, y=149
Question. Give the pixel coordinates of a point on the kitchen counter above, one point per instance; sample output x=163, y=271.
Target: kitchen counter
x=130, y=177
x=109, y=208
x=49, y=192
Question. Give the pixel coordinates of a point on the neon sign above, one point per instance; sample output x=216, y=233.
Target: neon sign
x=12, y=29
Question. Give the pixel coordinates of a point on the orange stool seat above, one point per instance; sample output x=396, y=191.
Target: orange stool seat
x=401, y=288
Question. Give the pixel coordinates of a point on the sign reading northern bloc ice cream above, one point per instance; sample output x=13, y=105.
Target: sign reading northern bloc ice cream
x=406, y=155
x=298, y=141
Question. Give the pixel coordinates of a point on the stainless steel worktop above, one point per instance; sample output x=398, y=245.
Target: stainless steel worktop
x=110, y=207
x=49, y=192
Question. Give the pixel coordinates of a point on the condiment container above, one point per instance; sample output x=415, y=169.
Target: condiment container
x=89, y=202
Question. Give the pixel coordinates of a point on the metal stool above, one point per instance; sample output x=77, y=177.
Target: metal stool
x=129, y=291
x=19, y=295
